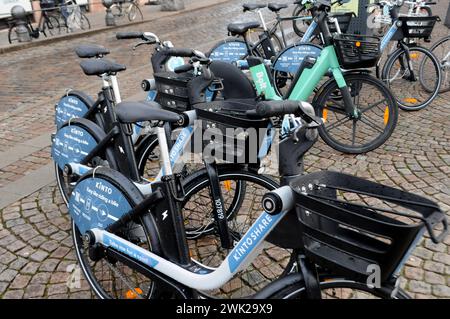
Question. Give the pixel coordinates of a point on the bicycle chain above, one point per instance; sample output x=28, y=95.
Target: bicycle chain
x=127, y=283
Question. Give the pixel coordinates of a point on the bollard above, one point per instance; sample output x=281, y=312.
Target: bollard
x=20, y=20
x=109, y=18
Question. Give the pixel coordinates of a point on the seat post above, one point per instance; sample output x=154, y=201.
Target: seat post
x=115, y=87
x=262, y=19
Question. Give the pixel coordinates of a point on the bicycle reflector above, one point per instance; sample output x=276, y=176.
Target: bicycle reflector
x=386, y=115
x=130, y=294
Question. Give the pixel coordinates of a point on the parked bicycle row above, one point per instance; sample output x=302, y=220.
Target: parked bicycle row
x=64, y=17
x=169, y=197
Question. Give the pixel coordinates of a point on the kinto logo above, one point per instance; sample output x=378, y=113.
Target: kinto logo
x=74, y=278
x=374, y=279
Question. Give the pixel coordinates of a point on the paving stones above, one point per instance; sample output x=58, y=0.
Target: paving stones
x=36, y=253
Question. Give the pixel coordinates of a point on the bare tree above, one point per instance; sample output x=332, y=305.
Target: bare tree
x=172, y=5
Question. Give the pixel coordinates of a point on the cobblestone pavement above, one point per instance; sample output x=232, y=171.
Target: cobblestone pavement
x=36, y=256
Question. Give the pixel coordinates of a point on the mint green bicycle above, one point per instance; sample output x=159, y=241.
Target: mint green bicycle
x=359, y=111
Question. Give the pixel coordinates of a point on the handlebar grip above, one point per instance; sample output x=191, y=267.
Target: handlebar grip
x=276, y=108
x=129, y=35
x=181, y=52
x=183, y=68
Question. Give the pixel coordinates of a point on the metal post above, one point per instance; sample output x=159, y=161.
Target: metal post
x=20, y=21
x=109, y=17
x=358, y=25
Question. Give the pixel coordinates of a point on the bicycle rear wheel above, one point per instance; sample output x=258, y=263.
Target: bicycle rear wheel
x=110, y=278
x=441, y=50
x=376, y=120
x=413, y=77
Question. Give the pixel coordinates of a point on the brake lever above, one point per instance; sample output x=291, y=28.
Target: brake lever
x=139, y=44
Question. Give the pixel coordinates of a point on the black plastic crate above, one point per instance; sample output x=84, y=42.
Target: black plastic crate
x=357, y=51
x=172, y=90
x=350, y=224
x=415, y=27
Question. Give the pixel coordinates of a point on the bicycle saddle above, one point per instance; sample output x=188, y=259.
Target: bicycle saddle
x=275, y=7
x=252, y=6
x=91, y=51
x=132, y=112
x=99, y=67
x=241, y=28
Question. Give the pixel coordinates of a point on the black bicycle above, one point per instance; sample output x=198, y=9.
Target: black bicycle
x=48, y=25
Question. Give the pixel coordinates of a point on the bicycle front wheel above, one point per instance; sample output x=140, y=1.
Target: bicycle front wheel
x=338, y=289
x=242, y=209
x=441, y=50
x=374, y=123
x=414, y=77
x=134, y=12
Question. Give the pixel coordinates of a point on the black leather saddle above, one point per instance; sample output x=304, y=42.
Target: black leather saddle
x=99, y=67
x=242, y=28
x=132, y=112
x=275, y=7
x=252, y=6
x=91, y=51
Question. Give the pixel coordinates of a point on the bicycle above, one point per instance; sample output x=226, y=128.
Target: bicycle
x=411, y=72
x=48, y=25
x=71, y=17
x=152, y=267
x=233, y=186
x=343, y=117
x=129, y=8
x=441, y=49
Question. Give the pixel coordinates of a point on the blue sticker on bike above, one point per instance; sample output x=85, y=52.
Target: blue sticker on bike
x=252, y=238
x=69, y=107
x=229, y=52
x=291, y=59
x=96, y=203
x=71, y=144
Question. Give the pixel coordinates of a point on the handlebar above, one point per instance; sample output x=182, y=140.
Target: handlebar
x=129, y=35
x=180, y=52
x=266, y=109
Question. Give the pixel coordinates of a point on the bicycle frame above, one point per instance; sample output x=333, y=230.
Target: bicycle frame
x=201, y=277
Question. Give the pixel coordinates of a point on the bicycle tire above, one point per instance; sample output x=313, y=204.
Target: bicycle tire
x=137, y=11
x=207, y=250
x=149, y=235
x=327, y=94
x=445, y=65
x=297, y=290
x=51, y=25
x=295, y=23
x=12, y=33
x=85, y=24
x=412, y=103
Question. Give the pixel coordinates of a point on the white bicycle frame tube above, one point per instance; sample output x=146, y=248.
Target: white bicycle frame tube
x=236, y=259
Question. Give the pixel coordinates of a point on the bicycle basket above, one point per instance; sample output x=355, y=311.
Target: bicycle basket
x=172, y=90
x=349, y=225
x=357, y=51
x=415, y=27
x=228, y=131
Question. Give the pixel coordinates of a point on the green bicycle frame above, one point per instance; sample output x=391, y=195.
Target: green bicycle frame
x=308, y=80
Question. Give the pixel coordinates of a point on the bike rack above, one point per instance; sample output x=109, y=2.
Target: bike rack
x=358, y=25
